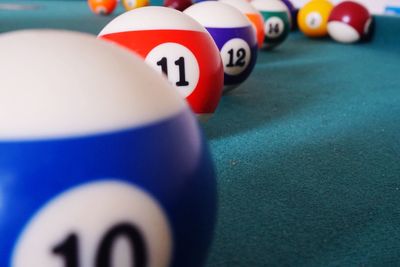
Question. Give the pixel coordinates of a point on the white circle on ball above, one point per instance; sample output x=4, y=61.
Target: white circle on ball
x=342, y=32
x=178, y=63
x=274, y=27
x=314, y=20
x=236, y=56
x=84, y=217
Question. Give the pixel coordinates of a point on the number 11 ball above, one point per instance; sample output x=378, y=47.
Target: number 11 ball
x=174, y=45
x=102, y=163
x=234, y=35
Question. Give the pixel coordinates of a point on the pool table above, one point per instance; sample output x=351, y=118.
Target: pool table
x=307, y=150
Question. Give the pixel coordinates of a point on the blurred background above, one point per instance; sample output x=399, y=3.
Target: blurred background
x=375, y=6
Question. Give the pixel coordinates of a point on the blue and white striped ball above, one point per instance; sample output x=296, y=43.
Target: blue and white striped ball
x=101, y=162
x=234, y=35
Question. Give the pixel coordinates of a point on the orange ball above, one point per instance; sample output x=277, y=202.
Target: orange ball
x=102, y=7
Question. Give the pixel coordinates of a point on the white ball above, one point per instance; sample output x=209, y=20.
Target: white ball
x=61, y=83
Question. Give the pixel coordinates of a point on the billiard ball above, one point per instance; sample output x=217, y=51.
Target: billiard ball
x=132, y=4
x=252, y=14
x=349, y=22
x=178, y=4
x=277, y=21
x=234, y=35
x=100, y=148
x=313, y=18
x=102, y=7
x=177, y=46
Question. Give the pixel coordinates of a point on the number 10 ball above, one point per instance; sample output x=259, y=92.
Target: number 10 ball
x=234, y=35
x=102, y=162
x=174, y=45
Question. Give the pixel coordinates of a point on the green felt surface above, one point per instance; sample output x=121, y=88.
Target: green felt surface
x=307, y=153
x=307, y=150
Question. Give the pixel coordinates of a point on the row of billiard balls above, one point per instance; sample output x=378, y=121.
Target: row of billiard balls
x=101, y=148
x=347, y=22
x=106, y=7
x=98, y=148
x=208, y=48
x=177, y=44
x=272, y=19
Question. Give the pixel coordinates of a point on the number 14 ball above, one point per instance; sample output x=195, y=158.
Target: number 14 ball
x=277, y=21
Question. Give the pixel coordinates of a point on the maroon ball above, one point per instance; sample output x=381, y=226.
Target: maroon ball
x=349, y=22
x=178, y=4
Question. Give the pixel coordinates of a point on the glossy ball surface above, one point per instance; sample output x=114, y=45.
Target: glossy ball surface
x=349, y=22
x=276, y=21
x=313, y=18
x=119, y=156
x=132, y=4
x=174, y=45
x=234, y=35
x=102, y=7
x=252, y=14
x=178, y=4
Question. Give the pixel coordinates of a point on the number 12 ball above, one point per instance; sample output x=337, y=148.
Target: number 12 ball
x=234, y=35
x=117, y=174
x=174, y=45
